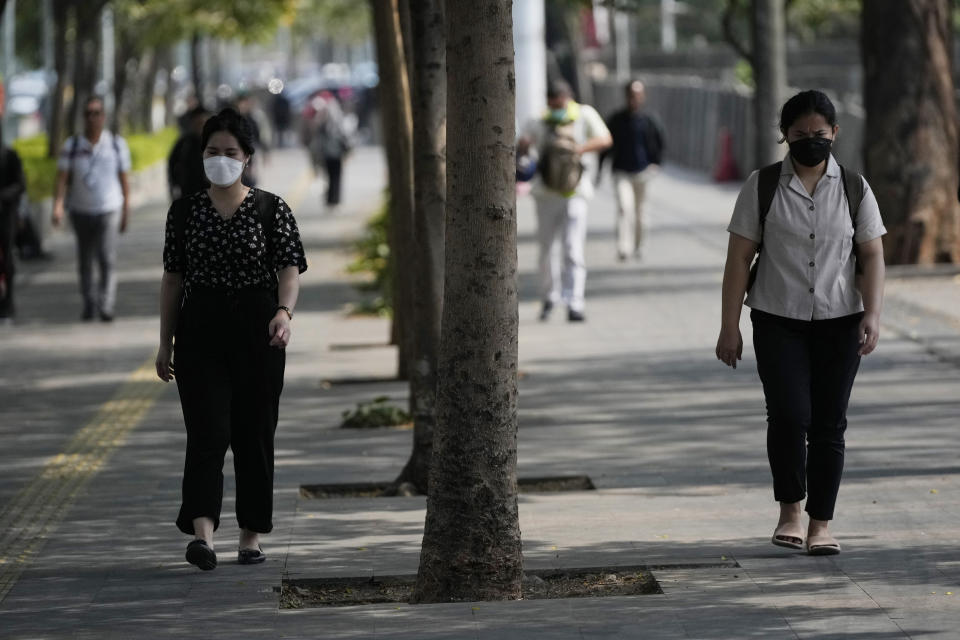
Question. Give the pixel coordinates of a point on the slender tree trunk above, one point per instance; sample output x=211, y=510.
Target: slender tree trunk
x=909, y=98
x=769, y=59
x=86, y=58
x=196, y=67
x=429, y=84
x=471, y=543
x=55, y=125
x=148, y=82
x=171, y=92
x=394, y=100
x=121, y=76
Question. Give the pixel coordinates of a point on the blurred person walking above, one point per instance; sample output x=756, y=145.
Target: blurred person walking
x=92, y=185
x=330, y=142
x=232, y=258
x=12, y=186
x=249, y=108
x=564, y=142
x=815, y=290
x=637, y=151
x=185, y=165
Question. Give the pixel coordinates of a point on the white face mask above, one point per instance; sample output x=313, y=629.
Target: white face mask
x=222, y=171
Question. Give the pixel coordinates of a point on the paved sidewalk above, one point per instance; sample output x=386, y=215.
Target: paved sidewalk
x=634, y=398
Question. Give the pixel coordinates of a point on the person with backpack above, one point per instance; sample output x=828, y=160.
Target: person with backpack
x=232, y=260
x=637, y=153
x=565, y=141
x=92, y=185
x=815, y=296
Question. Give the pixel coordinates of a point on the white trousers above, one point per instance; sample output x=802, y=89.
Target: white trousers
x=631, y=190
x=562, y=232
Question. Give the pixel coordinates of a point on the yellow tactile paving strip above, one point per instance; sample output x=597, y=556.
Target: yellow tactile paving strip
x=33, y=513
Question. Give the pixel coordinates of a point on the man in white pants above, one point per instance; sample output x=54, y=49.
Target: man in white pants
x=92, y=179
x=637, y=150
x=566, y=140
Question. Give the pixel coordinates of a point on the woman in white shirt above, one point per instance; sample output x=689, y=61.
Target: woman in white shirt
x=815, y=302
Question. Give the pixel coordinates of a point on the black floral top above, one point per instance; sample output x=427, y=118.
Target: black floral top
x=231, y=253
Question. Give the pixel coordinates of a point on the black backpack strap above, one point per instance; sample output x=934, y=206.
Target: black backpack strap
x=767, y=182
x=267, y=204
x=853, y=190
x=768, y=179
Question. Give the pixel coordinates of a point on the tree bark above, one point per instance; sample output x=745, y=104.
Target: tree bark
x=55, y=125
x=86, y=58
x=144, y=117
x=769, y=61
x=121, y=77
x=909, y=98
x=196, y=67
x=429, y=85
x=471, y=543
x=394, y=101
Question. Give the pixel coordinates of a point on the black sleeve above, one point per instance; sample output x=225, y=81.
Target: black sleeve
x=13, y=182
x=287, y=247
x=174, y=259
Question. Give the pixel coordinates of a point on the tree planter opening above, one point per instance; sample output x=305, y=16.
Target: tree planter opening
x=590, y=582
x=545, y=484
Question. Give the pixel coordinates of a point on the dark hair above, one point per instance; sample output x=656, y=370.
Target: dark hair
x=233, y=123
x=805, y=103
x=196, y=112
x=94, y=98
x=559, y=89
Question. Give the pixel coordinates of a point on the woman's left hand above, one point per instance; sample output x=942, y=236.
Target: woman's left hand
x=279, y=329
x=869, y=333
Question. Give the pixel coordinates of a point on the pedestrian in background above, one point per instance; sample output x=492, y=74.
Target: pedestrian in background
x=12, y=186
x=813, y=316
x=185, y=165
x=330, y=142
x=92, y=185
x=232, y=258
x=637, y=152
x=566, y=140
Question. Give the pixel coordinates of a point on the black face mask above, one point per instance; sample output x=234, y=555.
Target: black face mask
x=810, y=151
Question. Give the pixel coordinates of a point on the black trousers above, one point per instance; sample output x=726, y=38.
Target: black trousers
x=229, y=380
x=807, y=369
x=334, y=173
x=8, y=231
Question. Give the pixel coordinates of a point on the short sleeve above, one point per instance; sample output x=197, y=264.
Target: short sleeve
x=593, y=121
x=126, y=162
x=287, y=247
x=746, y=212
x=63, y=160
x=869, y=224
x=173, y=258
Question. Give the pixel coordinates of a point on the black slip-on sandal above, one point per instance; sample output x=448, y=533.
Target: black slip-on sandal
x=201, y=555
x=251, y=556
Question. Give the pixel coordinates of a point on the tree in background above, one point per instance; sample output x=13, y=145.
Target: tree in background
x=911, y=158
x=429, y=91
x=394, y=102
x=471, y=544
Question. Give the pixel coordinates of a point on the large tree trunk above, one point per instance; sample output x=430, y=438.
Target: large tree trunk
x=121, y=76
x=471, y=543
x=170, y=94
x=55, y=124
x=394, y=101
x=429, y=84
x=86, y=59
x=769, y=59
x=911, y=162
x=148, y=81
x=196, y=66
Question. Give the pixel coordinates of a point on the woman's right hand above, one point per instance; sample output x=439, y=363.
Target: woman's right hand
x=730, y=346
x=165, y=362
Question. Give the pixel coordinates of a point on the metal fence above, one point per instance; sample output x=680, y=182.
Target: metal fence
x=696, y=113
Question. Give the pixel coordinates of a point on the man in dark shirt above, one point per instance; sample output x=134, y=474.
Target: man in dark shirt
x=185, y=166
x=637, y=151
x=12, y=186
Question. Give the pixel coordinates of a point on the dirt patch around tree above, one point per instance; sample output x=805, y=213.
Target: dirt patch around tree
x=376, y=489
x=537, y=585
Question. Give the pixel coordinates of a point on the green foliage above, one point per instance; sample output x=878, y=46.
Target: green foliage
x=373, y=258
x=343, y=21
x=41, y=171
x=147, y=149
x=375, y=414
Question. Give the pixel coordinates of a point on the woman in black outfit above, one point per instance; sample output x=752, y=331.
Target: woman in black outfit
x=232, y=260
x=813, y=315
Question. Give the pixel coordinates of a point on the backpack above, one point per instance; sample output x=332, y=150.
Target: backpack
x=559, y=164
x=768, y=181
x=266, y=214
